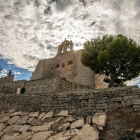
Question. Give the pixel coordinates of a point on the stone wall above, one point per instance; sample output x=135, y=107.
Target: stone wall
x=38, y=73
x=6, y=80
x=51, y=85
x=125, y=99
x=8, y=85
x=42, y=85
x=67, y=66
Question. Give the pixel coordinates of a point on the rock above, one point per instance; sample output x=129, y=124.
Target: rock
x=9, y=136
x=24, y=136
x=24, y=114
x=40, y=128
x=4, y=119
x=48, y=115
x=88, y=120
x=70, y=132
x=1, y=134
x=41, y=135
x=78, y=112
x=24, y=128
x=8, y=129
x=87, y=133
x=2, y=126
x=135, y=101
x=78, y=124
x=114, y=105
x=125, y=98
x=100, y=128
x=128, y=103
x=99, y=119
x=19, y=121
x=35, y=122
x=6, y=114
x=16, y=113
x=60, y=127
x=62, y=113
x=101, y=106
x=60, y=136
x=13, y=120
x=24, y=120
x=136, y=106
x=41, y=116
x=70, y=118
x=30, y=120
x=54, y=120
x=16, y=128
x=123, y=103
x=34, y=114
x=11, y=110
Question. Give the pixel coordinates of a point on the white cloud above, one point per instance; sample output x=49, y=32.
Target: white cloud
x=32, y=30
x=135, y=81
x=17, y=72
x=3, y=73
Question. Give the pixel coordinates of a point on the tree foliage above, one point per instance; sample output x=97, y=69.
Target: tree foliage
x=115, y=56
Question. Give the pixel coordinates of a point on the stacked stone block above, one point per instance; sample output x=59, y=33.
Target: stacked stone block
x=51, y=125
x=117, y=99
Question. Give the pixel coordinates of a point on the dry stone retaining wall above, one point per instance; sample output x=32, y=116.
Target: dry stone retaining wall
x=116, y=99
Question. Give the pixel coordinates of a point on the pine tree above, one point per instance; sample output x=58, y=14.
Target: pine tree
x=115, y=56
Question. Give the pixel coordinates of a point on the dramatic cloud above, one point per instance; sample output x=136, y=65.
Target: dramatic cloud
x=3, y=73
x=32, y=29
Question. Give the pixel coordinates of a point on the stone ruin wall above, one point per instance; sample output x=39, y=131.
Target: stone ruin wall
x=6, y=80
x=8, y=85
x=125, y=99
x=53, y=84
x=38, y=73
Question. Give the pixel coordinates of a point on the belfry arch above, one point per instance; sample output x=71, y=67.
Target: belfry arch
x=66, y=46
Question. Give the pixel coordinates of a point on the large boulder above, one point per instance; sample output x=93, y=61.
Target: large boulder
x=13, y=120
x=99, y=119
x=48, y=115
x=78, y=124
x=62, y=113
x=87, y=133
x=60, y=127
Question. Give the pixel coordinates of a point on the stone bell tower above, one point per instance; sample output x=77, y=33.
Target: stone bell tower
x=66, y=46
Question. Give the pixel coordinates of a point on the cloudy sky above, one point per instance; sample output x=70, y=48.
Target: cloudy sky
x=31, y=30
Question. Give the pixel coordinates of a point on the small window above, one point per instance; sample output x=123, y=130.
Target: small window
x=70, y=62
x=57, y=66
x=62, y=65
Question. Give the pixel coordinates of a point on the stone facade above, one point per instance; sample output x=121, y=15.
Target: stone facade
x=67, y=65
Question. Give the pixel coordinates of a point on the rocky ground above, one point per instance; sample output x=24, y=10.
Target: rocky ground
x=62, y=125
x=122, y=126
